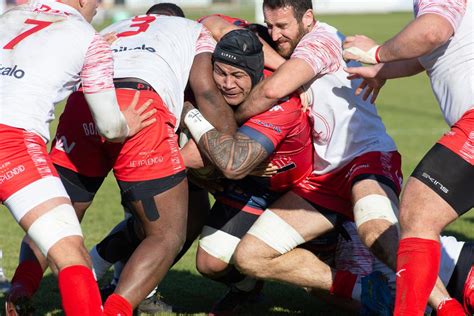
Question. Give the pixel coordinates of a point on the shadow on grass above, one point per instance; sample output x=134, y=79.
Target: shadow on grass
x=193, y=294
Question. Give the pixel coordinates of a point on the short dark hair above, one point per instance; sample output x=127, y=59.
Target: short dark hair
x=262, y=32
x=169, y=9
x=299, y=6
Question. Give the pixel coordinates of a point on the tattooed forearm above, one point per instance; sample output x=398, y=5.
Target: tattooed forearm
x=236, y=156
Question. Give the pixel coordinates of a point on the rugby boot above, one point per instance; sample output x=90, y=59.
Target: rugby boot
x=154, y=305
x=235, y=298
x=376, y=298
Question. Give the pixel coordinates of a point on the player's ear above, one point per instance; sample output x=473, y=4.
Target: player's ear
x=82, y=3
x=308, y=18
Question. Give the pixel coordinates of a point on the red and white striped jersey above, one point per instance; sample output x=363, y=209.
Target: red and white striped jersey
x=159, y=50
x=344, y=126
x=451, y=66
x=46, y=49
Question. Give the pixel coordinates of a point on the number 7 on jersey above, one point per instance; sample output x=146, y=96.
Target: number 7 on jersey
x=39, y=26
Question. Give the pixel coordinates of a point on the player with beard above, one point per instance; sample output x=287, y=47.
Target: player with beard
x=440, y=41
x=357, y=169
x=143, y=63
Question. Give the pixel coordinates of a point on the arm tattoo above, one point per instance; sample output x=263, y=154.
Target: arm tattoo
x=234, y=155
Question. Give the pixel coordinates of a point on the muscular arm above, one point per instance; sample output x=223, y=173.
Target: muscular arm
x=288, y=78
x=235, y=156
x=418, y=38
x=209, y=100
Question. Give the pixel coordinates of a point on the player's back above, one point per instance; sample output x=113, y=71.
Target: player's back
x=42, y=51
x=157, y=49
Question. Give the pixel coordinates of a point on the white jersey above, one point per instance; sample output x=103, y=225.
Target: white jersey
x=451, y=66
x=345, y=126
x=159, y=50
x=46, y=48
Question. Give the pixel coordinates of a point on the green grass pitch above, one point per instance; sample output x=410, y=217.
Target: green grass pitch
x=412, y=117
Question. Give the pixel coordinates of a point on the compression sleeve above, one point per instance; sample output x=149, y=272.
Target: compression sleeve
x=99, y=90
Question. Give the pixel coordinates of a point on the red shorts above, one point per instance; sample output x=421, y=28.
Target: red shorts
x=151, y=154
x=23, y=160
x=333, y=190
x=460, y=139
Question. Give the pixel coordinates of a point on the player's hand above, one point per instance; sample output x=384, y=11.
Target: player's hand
x=371, y=83
x=191, y=155
x=138, y=119
x=306, y=97
x=265, y=170
x=361, y=48
x=110, y=37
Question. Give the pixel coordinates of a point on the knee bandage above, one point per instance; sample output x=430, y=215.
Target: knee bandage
x=56, y=224
x=375, y=206
x=218, y=243
x=275, y=232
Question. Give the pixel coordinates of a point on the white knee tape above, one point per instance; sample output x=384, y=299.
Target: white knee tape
x=218, y=244
x=375, y=206
x=275, y=232
x=53, y=226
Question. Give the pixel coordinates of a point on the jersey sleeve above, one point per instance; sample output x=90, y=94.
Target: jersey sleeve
x=321, y=51
x=98, y=69
x=451, y=10
x=205, y=42
x=270, y=128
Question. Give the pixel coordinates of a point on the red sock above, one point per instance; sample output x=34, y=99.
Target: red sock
x=116, y=305
x=417, y=270
x=469, y=292
x=450, y=307
x=343, y=284
x=79, y=292
x=27, y=276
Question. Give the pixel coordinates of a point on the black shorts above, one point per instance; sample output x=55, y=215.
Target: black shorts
x=450, y=176
x=83, y=189
x=239, y=206
x=456, y=283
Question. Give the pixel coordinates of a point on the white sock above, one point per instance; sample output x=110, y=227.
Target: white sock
x=99, y=264
x=357, y=290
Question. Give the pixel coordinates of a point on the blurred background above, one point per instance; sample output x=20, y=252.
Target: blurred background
x=119, y=9
x=407, y=106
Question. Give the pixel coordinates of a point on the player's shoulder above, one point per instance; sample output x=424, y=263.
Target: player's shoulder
x=322, y=33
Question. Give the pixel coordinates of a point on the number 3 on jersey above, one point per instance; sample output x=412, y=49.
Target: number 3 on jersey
x=39, y=26
x=141, y=22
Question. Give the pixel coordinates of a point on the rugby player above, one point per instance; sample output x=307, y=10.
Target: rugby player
x=148, y=167
x=30, y=86
x=439, y=41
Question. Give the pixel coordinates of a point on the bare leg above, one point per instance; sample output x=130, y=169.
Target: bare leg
x=164, y=238
x=299, y=266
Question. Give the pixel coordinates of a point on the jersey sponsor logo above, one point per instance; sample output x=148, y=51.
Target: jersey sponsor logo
x=435, y=182
x=277, y=108
x=146, y=162
x=63, y=145
x=14, y=71
x=268, y=125
x=11, y=173
x=142, y=47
